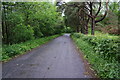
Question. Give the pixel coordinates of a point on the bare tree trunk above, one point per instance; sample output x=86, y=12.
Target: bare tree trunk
x=4, y=26
x=7, y=28
x=86, y=29
x=92, y=19
x=3, y=30
x=87, y=25
x=77, y=29
x=93, y=26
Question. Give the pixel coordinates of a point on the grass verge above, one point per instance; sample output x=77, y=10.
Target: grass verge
x=94, y=48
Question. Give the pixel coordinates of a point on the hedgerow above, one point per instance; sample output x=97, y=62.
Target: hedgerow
x=102, y=52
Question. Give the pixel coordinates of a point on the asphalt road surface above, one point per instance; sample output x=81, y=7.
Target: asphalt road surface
x=56, y=59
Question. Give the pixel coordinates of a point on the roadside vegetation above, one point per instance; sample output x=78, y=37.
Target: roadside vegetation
x=10, y=51
x=95, y=27
x=97, y=34
x=101, y=51
x=26, y=25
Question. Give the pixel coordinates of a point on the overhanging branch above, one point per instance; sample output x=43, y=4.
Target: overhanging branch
x=104, y=14
x=98, y=9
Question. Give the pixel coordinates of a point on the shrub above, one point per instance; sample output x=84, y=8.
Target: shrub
x=22, y=33
x=9, y=51
x=102, y=52
x=106, y=47
x=37, y=32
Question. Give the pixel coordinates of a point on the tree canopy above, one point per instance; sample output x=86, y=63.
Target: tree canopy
x=23, y=21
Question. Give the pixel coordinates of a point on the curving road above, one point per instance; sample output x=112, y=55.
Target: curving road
x=56, y=59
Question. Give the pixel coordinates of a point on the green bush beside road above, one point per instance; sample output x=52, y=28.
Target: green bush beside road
x=102, y=52
x=9, y=51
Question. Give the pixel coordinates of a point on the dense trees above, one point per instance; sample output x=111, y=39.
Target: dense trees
x=71, y=17
x=93, y=11
x=81, y=14
x=110, y=23
x=24, y=21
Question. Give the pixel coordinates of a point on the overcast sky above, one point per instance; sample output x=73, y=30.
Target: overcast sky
x=54, y=0
x=87, y=0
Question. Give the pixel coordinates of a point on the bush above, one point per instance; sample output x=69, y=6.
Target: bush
x=67, y=30
x=37, y=32
x=77, y=35
x=102, y=52
x=22, y=33
x=106, y=47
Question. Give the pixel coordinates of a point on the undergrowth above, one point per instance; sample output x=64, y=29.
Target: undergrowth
x=102, y=52
x=9, y=51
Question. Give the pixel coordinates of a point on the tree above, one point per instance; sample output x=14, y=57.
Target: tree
x=91, y=6
x=72, y=17
x=36, y=19
x=88, y=12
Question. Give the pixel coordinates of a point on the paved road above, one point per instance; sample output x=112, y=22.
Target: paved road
x=56, y=59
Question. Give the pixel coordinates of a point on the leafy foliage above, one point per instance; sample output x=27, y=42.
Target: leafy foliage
x=22, y=21
x=110, y=23
x=17, y=49
x=102, y=52
x=22, y=33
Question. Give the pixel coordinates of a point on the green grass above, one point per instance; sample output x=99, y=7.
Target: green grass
x=105, y=35
x=10, y=51
x=101, y=51
x=100, y=34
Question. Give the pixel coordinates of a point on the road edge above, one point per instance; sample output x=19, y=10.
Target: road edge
x=87, y=65
x=27, y=52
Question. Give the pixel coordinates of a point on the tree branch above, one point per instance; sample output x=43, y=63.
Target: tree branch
x=98, y=9
x=104, y=14
x=88, y=14
x=87, y=8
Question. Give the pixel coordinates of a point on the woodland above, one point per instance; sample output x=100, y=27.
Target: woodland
x=94, y=27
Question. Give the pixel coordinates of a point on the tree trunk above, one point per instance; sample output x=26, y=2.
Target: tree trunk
x=86, y=29
x=93, y=26
x=92, y=19
x=77, y=29
x=4, y=26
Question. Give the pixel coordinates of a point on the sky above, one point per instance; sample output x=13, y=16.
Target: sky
x=90, y=0
x=54, y=0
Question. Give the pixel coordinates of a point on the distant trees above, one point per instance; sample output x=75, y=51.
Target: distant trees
x=85, y=13
x=111, y=23
x=71, y=17
x=23, y=21
x=94, y=9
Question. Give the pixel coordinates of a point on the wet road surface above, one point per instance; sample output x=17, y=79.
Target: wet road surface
x=56, y=59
